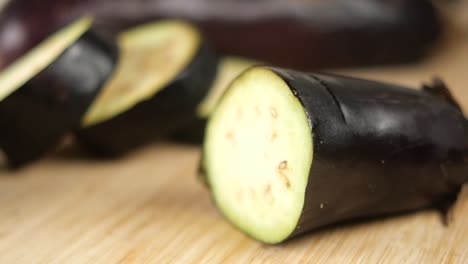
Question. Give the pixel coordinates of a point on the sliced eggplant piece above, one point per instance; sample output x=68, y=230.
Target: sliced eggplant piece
x=44, y=94
x=315, y=33
x=164, y=72
x=288, y=152
x=228, y=69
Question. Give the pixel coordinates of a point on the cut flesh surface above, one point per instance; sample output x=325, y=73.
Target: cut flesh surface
x=258, y=154
x=151, y=56
x=28, y=66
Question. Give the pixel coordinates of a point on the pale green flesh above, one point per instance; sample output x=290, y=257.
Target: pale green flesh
x=258, y=154
x=228, y=69
x=28, y=66
x=151, y=56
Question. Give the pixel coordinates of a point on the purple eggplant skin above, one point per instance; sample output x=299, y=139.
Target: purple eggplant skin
x=35, y=117
x=297, y=34
x=24, y=24
x=167, y=111
x=379, y=149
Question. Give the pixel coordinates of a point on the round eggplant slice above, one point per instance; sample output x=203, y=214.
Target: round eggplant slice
x=288, y=152
x=228, y=69
x=165, y=71
x=44, y=94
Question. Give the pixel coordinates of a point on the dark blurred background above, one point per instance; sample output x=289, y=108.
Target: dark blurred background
x=311, y=34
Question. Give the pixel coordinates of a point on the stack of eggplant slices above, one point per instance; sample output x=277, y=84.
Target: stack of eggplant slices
x=284, y=152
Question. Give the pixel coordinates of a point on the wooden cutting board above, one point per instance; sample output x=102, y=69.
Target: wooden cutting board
x=149, y=207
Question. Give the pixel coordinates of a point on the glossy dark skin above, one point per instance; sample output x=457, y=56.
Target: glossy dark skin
x=24, y=24
x=169, y=110
x=379, y=149
x=34, y=118
x=300, y=34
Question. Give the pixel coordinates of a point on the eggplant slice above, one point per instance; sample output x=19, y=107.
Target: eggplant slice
x=288, y=152
x=228, y=69
x=45, y=93
x=164, y=72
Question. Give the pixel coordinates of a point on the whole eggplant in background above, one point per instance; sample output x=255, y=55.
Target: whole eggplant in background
x=299, y=34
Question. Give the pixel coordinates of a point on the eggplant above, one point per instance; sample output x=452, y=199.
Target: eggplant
x=45, y=93
x=165, y=70
x=228, y=69
x=25, y=24
x=299, y=34
x=288, y=152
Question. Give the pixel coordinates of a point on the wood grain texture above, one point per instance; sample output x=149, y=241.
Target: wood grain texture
x=149, y=207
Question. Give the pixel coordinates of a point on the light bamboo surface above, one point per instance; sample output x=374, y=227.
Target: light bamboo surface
x=149, y=207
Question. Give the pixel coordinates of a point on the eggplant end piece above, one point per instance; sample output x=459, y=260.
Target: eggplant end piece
x=288, y=152
x=440, y=90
